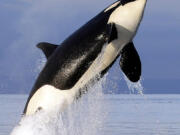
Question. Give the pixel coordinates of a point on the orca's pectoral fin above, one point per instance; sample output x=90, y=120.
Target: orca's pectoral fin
x=47, y=48
x=130, y=62
x=112, y=32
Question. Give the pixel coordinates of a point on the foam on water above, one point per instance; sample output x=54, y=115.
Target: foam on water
x=84, y=117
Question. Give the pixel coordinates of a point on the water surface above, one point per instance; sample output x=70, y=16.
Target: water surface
x=122, y=114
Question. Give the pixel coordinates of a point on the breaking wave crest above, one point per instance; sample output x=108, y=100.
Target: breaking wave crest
x=84, y=117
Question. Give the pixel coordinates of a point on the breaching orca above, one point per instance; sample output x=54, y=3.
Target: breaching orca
x=89, y=51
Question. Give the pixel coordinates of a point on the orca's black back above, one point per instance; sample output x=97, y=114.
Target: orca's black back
x=75, y=55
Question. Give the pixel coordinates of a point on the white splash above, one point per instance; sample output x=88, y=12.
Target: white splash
x=84, y=117
x=134, y=87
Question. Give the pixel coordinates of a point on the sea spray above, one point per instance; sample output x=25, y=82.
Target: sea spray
x=40, y=64
x=84, y=117
x=134, y=87
x=41, y=123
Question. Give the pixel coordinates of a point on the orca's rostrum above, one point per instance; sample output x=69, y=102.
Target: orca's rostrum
x=89, y=51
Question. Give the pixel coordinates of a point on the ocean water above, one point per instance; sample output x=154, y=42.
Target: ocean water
x=100, y=115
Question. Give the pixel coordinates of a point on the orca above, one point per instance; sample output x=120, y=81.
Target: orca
x=88, y=52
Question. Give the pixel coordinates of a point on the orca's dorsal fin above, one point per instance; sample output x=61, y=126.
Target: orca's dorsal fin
x=130, y=62
x=112, y=32
x=47, y=48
